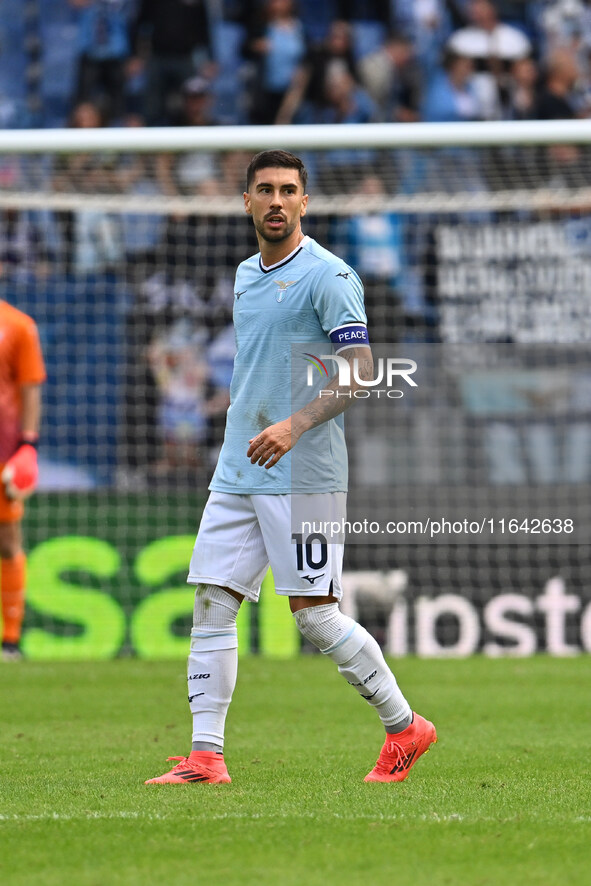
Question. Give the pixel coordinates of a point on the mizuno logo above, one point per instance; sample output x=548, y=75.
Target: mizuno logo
x=191, y=697
x=313, y=578
x=238, y=294
x=370, y=696
x=283, y=286
x=344, y=274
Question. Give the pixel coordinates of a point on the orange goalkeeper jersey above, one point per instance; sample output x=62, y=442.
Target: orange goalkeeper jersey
x=21, y=363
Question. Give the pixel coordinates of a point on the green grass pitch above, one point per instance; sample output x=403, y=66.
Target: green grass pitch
x=503, y=798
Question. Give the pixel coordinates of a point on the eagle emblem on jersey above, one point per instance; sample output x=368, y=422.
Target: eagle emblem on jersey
x=283, y=284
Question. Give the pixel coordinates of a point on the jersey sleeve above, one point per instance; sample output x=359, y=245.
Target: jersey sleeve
x=30, y=368
x=337, y=298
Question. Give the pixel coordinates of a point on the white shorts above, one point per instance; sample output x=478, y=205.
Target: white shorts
x=240, y=536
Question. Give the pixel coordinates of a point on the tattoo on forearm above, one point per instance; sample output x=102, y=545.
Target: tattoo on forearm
x=322, y=409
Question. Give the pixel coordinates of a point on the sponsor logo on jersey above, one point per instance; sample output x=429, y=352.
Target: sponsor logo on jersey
x=283, y=285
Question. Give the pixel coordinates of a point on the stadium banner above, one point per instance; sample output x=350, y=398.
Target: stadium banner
x=112, y=579
x=111, y=582
x=514, y=279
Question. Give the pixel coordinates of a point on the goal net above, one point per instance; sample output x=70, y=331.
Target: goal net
x=474, y=245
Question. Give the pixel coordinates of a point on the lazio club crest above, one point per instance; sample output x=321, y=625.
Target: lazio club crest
x=282, y=284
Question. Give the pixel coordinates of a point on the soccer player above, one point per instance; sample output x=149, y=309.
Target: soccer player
x=293, y=291
x=22, y=373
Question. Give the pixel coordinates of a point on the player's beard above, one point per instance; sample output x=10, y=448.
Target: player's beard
x=275, y=236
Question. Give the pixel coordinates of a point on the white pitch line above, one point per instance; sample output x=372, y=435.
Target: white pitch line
x=223, y=816
x=433, y=817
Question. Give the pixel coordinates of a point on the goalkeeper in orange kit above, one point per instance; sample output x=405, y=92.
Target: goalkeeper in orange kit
x=22, y=373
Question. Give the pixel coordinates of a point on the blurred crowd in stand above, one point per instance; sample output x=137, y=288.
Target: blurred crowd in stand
x=282, y=61
x=136, y=63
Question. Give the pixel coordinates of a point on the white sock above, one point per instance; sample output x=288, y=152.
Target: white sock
x=212, y=665
x=359, y=659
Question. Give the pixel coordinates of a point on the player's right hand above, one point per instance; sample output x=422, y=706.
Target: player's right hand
x=272, y=444
x=21, y=473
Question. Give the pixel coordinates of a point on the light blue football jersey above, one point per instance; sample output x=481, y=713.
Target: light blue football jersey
x=285, y=316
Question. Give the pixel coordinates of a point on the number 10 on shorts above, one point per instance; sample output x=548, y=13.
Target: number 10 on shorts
x=306, y=547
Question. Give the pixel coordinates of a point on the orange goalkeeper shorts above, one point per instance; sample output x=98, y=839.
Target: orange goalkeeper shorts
x=10, y=511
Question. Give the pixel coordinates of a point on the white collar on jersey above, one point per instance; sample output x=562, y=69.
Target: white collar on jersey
x=287, y=257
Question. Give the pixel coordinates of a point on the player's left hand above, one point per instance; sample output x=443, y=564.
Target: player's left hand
x=271, y=444
x=21, y=472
